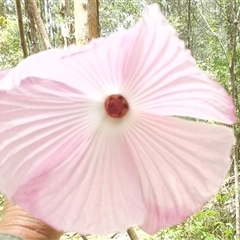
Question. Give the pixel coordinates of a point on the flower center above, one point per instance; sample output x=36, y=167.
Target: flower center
x=116, y=106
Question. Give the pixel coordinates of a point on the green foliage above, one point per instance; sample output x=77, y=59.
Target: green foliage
x=115, y=15
x=10, y=48
x=1, y=204
x=214, y=222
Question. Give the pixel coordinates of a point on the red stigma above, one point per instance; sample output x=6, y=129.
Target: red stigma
x=116, y=106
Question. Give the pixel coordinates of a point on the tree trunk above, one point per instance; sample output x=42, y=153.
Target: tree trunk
x=233, y=69
x=21, y=28
x=86, y=20
x=32, y=31
x=235, y=161
x=93, y=16
x=41, y=28
x=66, y=24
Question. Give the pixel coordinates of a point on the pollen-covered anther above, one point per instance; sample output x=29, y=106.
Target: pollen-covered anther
x=116, y=106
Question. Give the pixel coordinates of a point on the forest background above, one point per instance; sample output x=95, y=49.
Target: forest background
x=210, y=29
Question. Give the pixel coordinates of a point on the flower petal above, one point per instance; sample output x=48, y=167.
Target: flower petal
x=147, y=64
x=70, y=165
x=162, y=76
x=4, y=73
x=94, y=72
x=181, y=163
x=64, y=162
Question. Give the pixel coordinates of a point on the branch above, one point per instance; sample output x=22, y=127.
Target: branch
x=132, y=234
x=84, y=237
x=213, y=33
x=33, y=5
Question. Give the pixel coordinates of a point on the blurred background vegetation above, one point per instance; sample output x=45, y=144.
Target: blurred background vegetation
x=211, y=31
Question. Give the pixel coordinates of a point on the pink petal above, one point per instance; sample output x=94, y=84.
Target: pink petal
x=162, y=77
x=181, y=163
x=81, y=173
x=148, y=64
x=69, y=165
x=4, y=73
x=63, y=164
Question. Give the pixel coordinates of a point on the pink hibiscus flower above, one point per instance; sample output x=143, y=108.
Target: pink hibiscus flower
x=89, y=141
